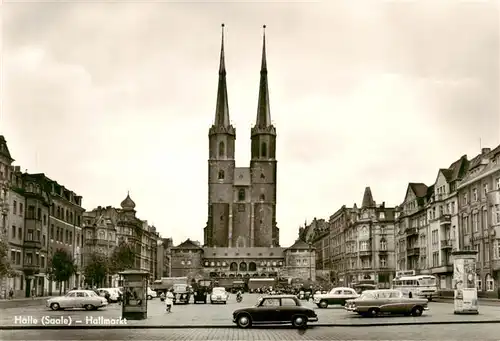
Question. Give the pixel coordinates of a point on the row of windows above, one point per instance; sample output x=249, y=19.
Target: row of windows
x=475, y=192
x=222, y=149
x=36, y=213
x=16, y=258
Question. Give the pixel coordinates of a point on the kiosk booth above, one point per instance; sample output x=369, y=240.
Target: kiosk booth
x=464, y=282
x=135, y=289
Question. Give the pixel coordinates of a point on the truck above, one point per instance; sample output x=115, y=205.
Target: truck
x=261, y=283
x=167, y=283
x=226, y=283
x=238, y=285
x=202, y=290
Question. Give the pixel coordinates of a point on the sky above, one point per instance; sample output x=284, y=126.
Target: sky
x=107, y=98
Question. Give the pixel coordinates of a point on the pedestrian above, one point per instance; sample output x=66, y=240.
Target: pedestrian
x=169, y=300
x=11, y=293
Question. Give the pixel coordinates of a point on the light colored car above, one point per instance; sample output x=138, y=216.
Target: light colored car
x=336, y=296
x=219, y=295
x=114, y=294
x=87, y=299
x=377, y=302
x=151, y=294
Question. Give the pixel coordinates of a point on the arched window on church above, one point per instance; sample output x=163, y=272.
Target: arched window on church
x=221, y=174
x=262, y=197
x=241, y=194
x=222, y=149
x=263, y=149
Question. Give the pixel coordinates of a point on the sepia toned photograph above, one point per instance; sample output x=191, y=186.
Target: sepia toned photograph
x=213, y=170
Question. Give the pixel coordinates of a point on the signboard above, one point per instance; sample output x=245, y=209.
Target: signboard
x=405, y=273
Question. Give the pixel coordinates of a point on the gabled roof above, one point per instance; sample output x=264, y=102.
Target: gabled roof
x=420, y=189
x=300, y=245
x=4, y=149
x=188, y=244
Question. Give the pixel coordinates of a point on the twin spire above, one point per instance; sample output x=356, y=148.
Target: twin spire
x=222, y=106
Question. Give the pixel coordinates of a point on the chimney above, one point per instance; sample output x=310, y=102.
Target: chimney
x=485, y=150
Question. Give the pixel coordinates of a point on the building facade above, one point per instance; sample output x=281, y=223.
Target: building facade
x=242, y=200
x=164, y=257
x=479, y=217
x=105, y=227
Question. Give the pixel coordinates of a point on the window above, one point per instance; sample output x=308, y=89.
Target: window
x=14, y=207
x=29, y=258
x=31, y=212
x=383, y=262
x=263, y=149
x=490, y=285
x=262, y=176
x=288, y=302
x=43, y=262
x=383, y=245
x=435, y=259
x=465, y=199
x=274, y=302
x=44, y=219
x=20, y=232
x=39, y=214
x=30, y=235
x=262, y=197
x=497, y=183
x=221, y=174
x=222, y=149
x=12, y=256
x=382, y=215
x=485, y=189
x=474, y=194
x=475, y=222
x=21, y=209
x=13, y=231
x=241, y=194
x=479, y=284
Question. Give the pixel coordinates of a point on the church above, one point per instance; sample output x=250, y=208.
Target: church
x=241, y=237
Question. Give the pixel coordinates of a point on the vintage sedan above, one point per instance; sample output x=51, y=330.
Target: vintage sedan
x=219, y=295
x=378, y=302
x=86, y=299
x=182, y=293
x=336, y=296
x=275, y=309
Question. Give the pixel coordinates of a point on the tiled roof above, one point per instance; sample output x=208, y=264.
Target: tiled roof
x=300, y=245
x=419, y=189
x=188, y=244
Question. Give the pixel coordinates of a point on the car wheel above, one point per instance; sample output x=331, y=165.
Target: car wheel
x=323, y=304
x=373, y=312
x=89, y=307
x=417, y=311
x=150, y=297
x=244, y=321
x=299, y=321
x=55, y=306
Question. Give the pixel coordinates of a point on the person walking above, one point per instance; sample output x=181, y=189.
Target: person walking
x=169, y=300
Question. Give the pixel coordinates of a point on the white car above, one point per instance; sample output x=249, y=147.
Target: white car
x=114, y=293
x=335, y=296
x=151, y=294
x=219, y=295
x=87, y=299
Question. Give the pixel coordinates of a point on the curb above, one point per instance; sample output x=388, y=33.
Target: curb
x=221, y=326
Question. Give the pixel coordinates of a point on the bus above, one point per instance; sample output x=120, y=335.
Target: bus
x=416, y=286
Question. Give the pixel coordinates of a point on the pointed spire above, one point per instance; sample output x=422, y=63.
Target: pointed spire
x=263, y=109
x=222, y=106
x=367, y=198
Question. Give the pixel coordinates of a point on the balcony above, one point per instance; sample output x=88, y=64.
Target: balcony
x=33, y=244
x=365, y=253
x=494, y=197
x=442, y=269
x=414, y=251
x=445, y=219
x=31, y=269
x=446, y=244
x=383, y=251
x=411, y=231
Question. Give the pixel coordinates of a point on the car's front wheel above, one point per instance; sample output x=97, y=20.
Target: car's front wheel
x=323, y=304
x=299, y=321
x=417, y=311
x=244, y=321
x=150, y=297
x=89, y=307
x=55, y=306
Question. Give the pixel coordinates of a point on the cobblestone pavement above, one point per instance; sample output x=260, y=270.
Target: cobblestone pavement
x=464, y=332
x=221, y=315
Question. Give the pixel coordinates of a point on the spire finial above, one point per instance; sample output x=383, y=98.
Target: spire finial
x=222, y=107
x=222, y=65
x=264, y=62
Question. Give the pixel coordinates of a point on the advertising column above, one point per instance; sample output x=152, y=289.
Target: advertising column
x=464, y=282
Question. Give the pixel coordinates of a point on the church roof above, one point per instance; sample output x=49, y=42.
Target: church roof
x=188, y=244
x=263, y=109
x=367, y=199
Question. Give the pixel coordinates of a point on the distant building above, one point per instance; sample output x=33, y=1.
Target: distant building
x=164, y=257
x=105, y=227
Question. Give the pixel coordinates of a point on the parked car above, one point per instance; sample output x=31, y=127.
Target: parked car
x=114, y=294
x=151, y=294
x=336, y=296
x=219, y=295
x=275, y=309
x=87, y=299
x=376, y=302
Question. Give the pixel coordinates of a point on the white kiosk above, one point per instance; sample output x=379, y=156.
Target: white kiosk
x=464, y=282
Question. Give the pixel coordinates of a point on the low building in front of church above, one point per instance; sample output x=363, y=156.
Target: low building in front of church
x=195, y=262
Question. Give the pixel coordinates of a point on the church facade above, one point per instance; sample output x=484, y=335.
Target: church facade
x=241, y=237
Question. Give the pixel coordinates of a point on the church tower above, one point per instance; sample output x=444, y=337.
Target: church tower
x=263, y=167
x=221, y=165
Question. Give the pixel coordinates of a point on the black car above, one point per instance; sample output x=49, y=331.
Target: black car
x=275, y=309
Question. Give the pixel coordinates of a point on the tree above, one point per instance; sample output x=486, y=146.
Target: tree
x=123, y=257
x=5, y=266
x=61, y=267
x=96, y=270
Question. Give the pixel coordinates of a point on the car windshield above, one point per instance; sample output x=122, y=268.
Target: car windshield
x=71, y=293
x=219, y=291
x=180, y=287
